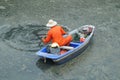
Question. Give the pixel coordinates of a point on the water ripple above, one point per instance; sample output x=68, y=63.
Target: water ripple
x=24, y=37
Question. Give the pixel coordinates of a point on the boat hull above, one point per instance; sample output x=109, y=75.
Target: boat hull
x=72, y=53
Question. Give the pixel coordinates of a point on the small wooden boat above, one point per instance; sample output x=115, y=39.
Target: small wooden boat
x=65, y=53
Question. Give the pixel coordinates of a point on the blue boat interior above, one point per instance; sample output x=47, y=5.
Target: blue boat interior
x=72, y=44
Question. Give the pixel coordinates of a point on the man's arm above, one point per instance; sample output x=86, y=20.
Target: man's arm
x=47, y=38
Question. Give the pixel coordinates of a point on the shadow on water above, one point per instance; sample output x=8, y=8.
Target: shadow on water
x=44, y=66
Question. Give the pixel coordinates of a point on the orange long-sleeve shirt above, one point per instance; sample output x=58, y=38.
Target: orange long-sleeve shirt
x=56, y=35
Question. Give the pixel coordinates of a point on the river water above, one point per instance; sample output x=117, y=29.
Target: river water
x=22, y=20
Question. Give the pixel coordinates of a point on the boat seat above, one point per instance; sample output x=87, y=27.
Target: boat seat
x=67, y=47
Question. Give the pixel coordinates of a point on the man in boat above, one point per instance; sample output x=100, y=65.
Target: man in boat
x=55, y=34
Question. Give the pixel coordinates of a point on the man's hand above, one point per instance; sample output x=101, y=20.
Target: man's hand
x=43, y=38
